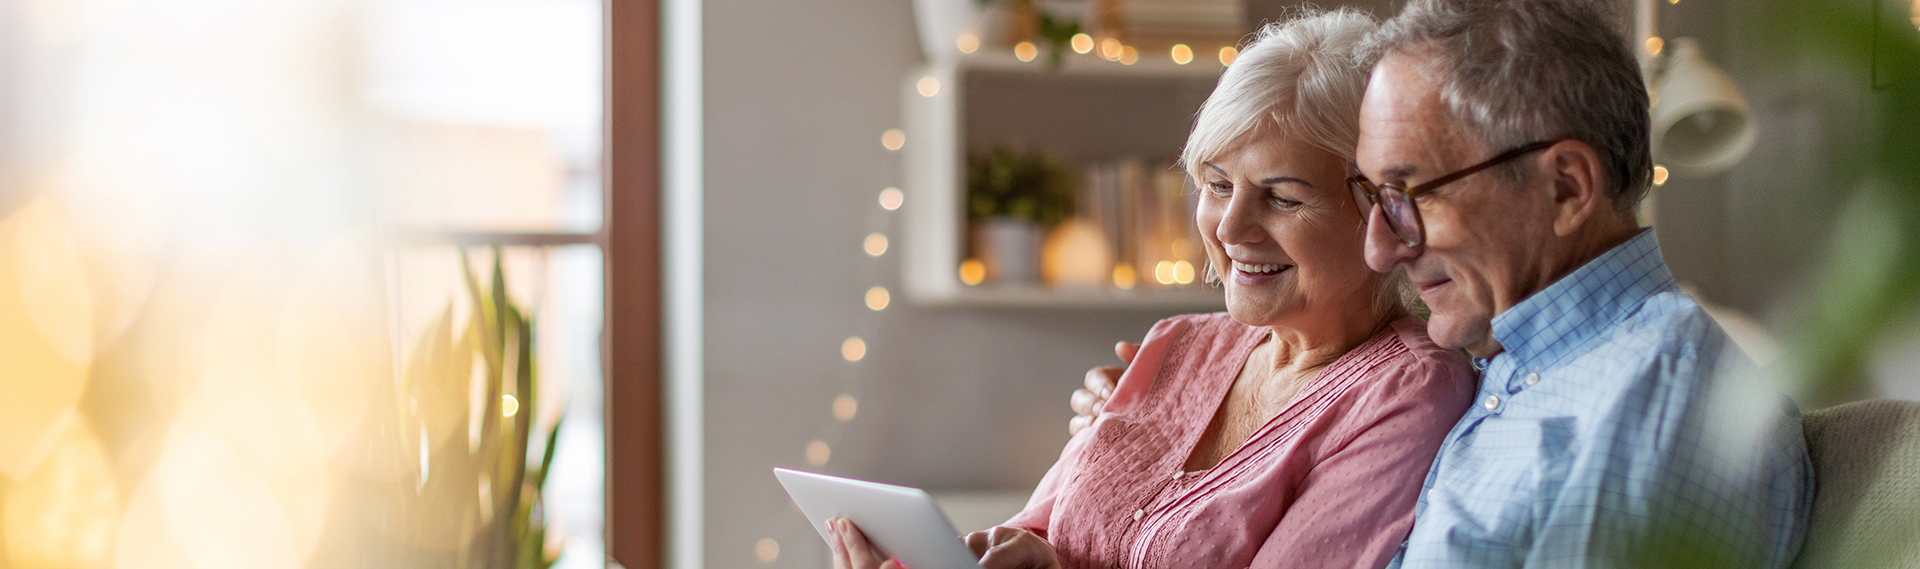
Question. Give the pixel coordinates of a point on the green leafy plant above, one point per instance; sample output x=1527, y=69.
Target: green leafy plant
x=476, y=499
x=1026, y=186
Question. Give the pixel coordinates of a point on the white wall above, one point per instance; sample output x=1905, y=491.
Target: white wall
x=797, y=94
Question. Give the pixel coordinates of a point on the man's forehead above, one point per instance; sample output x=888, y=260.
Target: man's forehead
x=1403, y=122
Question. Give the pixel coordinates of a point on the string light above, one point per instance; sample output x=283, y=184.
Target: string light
x=509, y=406
x=1654, y=45
x=928, y=86
x=818, y=452
x=891, y=198
x=1025, y=51
x=973, y=272
x=1110, y=48
x=875, y=244
x=1124, y=277
x=877, y=298
x=1163, y=272
x=1227, y=55
x=968, y=43
x=1183, y=272
x=1082, y=43
x=845, y=407
x=1659, y=175
x=1128, y=55
x=1182, y=54
x=767, y=550
x=893, y=139
x=853, y=349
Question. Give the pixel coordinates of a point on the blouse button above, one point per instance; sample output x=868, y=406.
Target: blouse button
x=1533, y=378
x=1492, y=402
x=1138, y=513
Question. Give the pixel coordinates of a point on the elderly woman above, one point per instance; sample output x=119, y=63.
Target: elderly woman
x=1295, y=429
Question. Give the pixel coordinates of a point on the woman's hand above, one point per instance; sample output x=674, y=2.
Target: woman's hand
x=851, y=550
x=1011, y=548
x=1089, y=401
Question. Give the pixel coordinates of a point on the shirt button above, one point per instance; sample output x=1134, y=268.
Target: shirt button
x=1492, y=402
x=1533, y=378
x=1138, y=513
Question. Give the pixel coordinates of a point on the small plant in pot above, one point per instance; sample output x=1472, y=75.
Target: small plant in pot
x=1011, y=197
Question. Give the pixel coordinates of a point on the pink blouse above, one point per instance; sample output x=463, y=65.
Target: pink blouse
x=1329, y=482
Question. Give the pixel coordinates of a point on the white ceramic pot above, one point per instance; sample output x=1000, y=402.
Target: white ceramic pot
x=1011, y=250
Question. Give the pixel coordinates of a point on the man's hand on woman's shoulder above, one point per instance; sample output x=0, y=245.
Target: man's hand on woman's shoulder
x=1089, y=401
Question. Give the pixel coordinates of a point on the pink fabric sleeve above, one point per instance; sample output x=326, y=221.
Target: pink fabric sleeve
x=1356, y=505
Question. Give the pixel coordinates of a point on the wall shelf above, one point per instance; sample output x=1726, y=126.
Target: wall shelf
x=1088, y=110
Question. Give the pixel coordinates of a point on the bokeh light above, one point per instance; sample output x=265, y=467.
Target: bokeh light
x=1082, y=43
x=891, y=198
x=1124, y=277
x=1129, y=55
x=46, y=326
x=845, y=407
x=928, y=86
x=1182, y=54
x=1659, y=175
x=1227, y=54
x=818, y=453
x=875, y=244
x=973, y=272
x=1111, y=49
x=893, y=139
x=65, y=512
x=968, y=43
x=766, y=550
x=1025, y=51
x=878, y=298
x=853, y=349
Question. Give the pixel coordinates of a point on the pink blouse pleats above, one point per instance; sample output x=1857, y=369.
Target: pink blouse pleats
x=1329, y=482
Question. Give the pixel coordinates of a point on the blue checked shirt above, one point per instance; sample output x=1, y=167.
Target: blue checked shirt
x=1619, y=428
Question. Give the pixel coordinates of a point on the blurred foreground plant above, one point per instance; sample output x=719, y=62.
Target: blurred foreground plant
x=477, y=492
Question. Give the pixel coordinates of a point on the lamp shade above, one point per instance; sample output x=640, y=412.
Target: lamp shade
x=1701, y=124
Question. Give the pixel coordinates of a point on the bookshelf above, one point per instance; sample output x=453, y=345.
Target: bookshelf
x=1088, y=112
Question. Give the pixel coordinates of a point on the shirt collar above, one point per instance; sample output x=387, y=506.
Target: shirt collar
x=1542, y=329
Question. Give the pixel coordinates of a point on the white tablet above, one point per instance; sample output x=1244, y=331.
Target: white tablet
x=900, y=521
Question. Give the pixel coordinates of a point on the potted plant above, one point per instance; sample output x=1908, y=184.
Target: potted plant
x=1011, y=196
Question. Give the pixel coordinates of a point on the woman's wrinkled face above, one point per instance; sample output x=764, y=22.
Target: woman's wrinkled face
x=1282, y=232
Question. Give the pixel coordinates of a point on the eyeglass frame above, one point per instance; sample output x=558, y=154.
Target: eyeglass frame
x=1365, y=191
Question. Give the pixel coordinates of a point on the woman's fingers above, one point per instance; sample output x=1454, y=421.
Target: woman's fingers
x=978, y=542
x=1015, y=548
x=1078, y=423
x=1126, y=351
x=1100, y=380
x=851, y=550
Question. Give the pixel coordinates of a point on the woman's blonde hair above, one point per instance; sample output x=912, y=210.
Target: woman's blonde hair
x=1302, y=78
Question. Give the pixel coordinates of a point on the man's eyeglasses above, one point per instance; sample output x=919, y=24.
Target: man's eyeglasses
x=1396, y=200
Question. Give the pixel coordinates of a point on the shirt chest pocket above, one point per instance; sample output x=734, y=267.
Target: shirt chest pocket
x=1505, y=472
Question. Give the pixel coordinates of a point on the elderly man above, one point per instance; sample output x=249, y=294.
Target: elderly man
x=1504, y=144
x=1503, y=151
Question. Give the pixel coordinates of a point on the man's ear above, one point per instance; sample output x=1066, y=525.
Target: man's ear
x=1578, y=187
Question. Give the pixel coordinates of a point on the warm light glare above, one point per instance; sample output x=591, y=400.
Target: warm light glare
x=1025, y=51
x=875, y=244
x=877, y=298
x=818, y=452
x=63, y=515
x=1654, y=45
x=767, y=550
x=1163, y=272
x=891, y=198
x=893, y=139
x=1916, y=13
x=1182, y=54
x=509, y=406
x=1129, y=56
x=853, y=349
x=928, y=86
x=1659, y=175
x=1111, y=49
x=1183, y=272
x=46, y=318
x=1227, y=54
x=1124, y=277
x=1082, y=43
x=845, y=407
x=972, y=272
x=968, y=43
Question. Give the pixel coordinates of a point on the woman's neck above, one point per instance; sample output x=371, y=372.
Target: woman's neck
x=1302, y=349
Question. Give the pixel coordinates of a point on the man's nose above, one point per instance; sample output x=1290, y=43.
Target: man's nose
x=1384, y=249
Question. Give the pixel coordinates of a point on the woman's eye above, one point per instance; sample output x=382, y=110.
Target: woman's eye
x=1284, y=202
x=1220, y=188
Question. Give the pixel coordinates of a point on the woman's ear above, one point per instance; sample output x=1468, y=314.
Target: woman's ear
x=1577, y=185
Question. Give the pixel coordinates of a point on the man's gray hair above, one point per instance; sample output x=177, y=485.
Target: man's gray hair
x=1518, y=71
